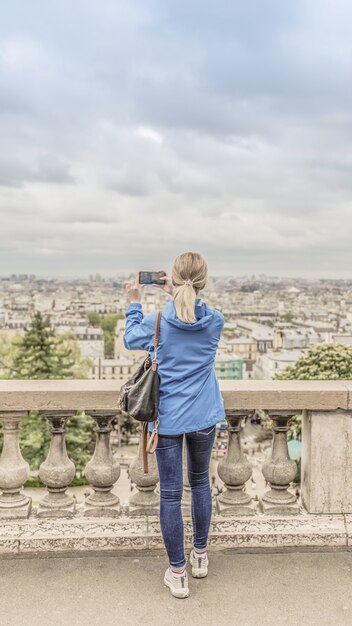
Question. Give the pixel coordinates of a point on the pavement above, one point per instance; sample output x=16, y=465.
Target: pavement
x=242, y=589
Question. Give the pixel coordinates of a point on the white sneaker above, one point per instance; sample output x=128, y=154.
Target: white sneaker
x=199, y=565
x=177, y=585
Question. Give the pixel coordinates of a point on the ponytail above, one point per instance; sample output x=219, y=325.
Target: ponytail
x=189, y=274
x=184, y=300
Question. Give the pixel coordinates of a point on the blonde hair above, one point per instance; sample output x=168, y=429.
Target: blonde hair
x=189, y=274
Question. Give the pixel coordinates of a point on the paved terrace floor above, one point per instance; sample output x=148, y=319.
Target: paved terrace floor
x=306, y=588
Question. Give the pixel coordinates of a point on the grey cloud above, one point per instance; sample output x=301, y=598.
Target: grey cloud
x=46, y=168
x=52, y=169
x=134, y=184
x=13, y=174
x=251, y=102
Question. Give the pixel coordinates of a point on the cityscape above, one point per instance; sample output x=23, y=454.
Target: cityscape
x=270, y=322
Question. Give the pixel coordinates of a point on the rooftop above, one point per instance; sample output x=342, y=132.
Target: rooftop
x=283, y=355
x=241, y=340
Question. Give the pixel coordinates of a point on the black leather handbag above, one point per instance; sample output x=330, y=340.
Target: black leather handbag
x=139, y=397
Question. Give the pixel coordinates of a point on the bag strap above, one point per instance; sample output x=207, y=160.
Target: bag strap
x=156, y=341
x=153, y=439
x=157, y=329
x=144, y=446
x=150, y=445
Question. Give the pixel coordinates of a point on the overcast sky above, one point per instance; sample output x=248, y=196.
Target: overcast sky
x=132, y=131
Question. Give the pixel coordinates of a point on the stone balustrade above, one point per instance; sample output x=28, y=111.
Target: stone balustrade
x=323, y=516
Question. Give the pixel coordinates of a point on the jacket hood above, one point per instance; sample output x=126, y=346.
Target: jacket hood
x=204, y=315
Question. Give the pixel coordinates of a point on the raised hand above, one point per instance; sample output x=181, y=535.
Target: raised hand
x=134, y=290
x=168, y=286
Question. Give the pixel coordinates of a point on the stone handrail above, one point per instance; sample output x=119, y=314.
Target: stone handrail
x=61, y=395
x=326, y=466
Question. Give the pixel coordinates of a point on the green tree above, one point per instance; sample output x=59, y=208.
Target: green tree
x=94, y=319
x=81, y=366
x=323, y=361
x=288, y=317
x=43, y=354
x=35, y=439
x=80, y=439
x=7, y=354
x=108, y=324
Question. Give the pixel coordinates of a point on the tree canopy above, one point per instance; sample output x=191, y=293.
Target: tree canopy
x=41, y=353
x=107, y=323
x=323, y=361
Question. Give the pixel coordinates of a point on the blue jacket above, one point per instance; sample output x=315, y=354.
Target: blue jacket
x=190, y=397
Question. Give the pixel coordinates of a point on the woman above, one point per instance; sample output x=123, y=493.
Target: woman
x=190, y=405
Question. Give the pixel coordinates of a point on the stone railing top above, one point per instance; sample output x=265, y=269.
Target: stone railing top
x=72, y=395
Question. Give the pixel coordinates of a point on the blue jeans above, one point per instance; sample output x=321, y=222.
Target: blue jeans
x=169, y=459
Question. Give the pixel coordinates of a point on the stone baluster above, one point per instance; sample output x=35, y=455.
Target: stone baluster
x=234, y=470
x=279, y=470
x=186, y=501
x=14, y=470
x=57, y=471
x=103, y=470
x=145, y=501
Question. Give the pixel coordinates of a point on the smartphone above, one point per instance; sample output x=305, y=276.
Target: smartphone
x=151, y=278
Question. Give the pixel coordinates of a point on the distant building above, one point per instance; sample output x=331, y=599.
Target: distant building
x=229, y=367
x=324, y=329
x=2, y=318
x=112, y=369
x=89, y=339
x=43, y=303
x=69, y=321
x=295, y=338
x=273, y=362
x=345, y=339
x=245, y=348
x=18, y=323
x=262, y=335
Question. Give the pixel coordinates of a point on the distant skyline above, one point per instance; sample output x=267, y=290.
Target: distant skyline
x=134, y=130
x=116, y=275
